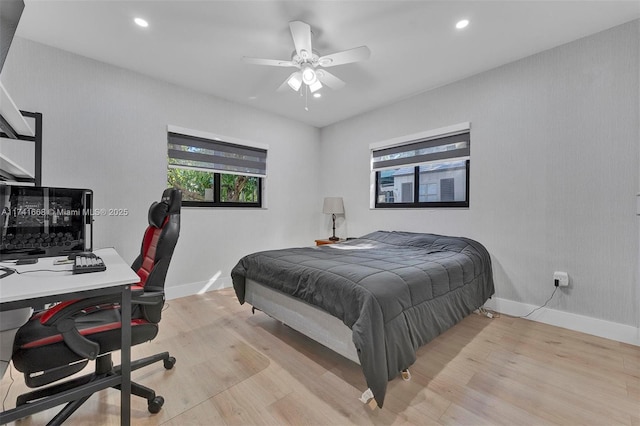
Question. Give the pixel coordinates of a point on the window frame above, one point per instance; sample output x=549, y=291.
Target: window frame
x=416, y=194
x=217, y=191
x=217, y=174
x=429, y=135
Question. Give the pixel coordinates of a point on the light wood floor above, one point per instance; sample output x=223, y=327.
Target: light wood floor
x=237, y=368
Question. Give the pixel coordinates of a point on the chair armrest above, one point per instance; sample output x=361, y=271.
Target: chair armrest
x=78, y=307
x=74, y=308
x=62, y=317
x=148, y=298
x=152, y=301
x=75, y=341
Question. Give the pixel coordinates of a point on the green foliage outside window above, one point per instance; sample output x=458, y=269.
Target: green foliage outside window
x=239, y=188
x=233, y=188
x=192, y=183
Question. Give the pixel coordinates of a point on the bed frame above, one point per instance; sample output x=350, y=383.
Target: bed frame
x=303, y=317
x=311, y=321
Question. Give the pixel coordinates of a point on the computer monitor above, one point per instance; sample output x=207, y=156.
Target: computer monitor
x=44, y=222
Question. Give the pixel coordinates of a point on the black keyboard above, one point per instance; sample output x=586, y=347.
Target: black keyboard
x=88, y=263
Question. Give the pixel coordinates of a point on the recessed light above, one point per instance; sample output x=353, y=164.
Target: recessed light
x=462, y=24
x=141, y=22
x=317, y=95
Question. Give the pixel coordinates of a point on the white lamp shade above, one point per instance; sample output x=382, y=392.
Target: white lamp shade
x=308, y=75
x=315, y=86
x=295, y=81
x=333, y=205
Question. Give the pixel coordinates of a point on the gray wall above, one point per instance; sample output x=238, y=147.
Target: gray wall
x=105, y=128
x=554, y=171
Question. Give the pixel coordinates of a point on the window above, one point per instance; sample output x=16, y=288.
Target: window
x=215, y=173
x=431, y=171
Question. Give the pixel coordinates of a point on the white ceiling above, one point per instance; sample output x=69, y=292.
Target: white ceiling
x=414, y=44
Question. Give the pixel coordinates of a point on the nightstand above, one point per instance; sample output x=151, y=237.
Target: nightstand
x=326, y=241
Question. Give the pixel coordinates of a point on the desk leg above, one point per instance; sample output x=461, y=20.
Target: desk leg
x=125, y=372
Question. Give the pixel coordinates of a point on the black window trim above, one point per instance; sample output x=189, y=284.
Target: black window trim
x=416, y=194
x=216, y=197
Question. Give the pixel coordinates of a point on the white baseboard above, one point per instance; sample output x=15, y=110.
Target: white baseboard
x=597, y=327
x=184, y=290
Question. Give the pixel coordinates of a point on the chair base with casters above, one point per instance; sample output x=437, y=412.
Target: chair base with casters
x=103, y=368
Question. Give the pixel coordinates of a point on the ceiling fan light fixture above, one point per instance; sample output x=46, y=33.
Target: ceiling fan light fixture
x=307, y=60
x=309, y=75
x=315, y=86
x=295, y=81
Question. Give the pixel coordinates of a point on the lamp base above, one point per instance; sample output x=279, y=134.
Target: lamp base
x=334, y=239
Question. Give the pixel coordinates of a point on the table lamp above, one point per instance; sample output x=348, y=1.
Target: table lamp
x=333, y=206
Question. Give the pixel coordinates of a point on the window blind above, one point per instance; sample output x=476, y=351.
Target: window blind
x=191, y=152
x=422, y=151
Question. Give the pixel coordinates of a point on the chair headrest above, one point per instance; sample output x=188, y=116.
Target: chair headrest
x=169, y=204
x=173, y=198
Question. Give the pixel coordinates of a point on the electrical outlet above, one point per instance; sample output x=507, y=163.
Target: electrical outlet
x=560, y=279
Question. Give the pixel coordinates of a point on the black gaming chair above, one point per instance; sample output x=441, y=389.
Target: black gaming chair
x=45, y=351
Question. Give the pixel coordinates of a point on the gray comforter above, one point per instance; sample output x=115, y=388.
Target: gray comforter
x=396, y=291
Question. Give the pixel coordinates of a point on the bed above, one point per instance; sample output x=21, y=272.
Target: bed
x=374, y=299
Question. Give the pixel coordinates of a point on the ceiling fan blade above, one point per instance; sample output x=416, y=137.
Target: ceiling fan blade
x=345, y=57
x=269, y=62
x=301, y=34
x=330, y=80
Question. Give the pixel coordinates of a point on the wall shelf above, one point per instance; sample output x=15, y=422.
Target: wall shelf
x=12, y=116
x=18, y=162
x=14, y=169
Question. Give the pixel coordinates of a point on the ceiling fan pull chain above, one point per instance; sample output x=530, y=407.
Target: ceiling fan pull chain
x=306, y=97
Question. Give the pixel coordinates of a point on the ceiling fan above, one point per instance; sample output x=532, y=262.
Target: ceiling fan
x=310, y=64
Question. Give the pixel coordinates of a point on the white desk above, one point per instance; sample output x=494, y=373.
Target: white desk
x=37, y=288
